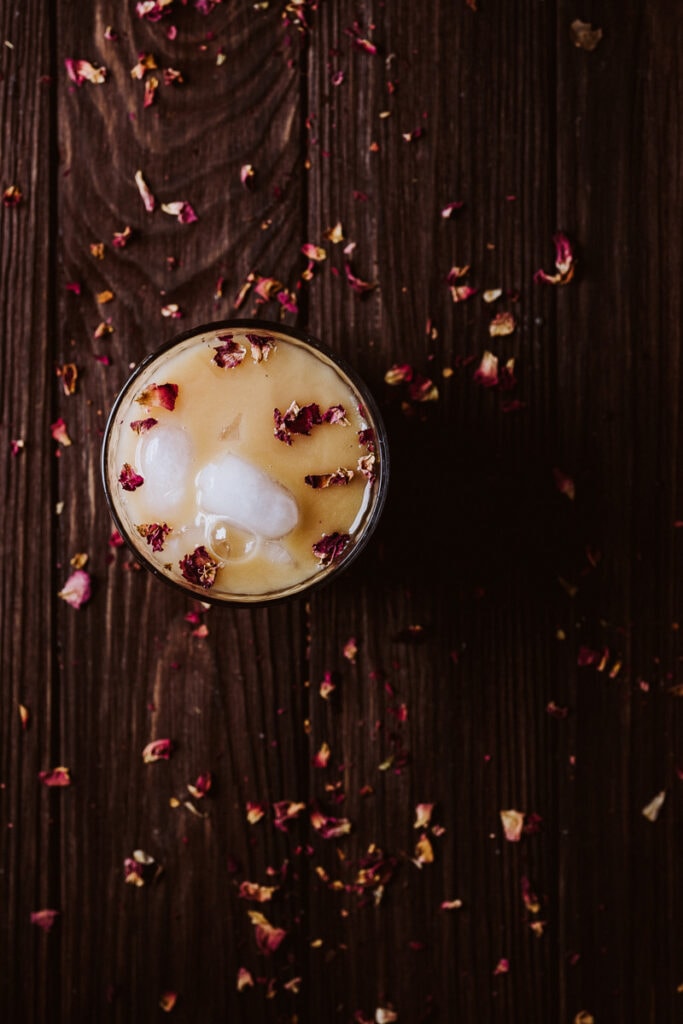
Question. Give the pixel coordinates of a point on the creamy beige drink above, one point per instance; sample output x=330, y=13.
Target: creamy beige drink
x=243, y=463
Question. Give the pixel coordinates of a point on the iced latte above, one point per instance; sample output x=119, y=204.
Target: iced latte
x=244, y=463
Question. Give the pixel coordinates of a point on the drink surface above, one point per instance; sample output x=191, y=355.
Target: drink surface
x=242, y=464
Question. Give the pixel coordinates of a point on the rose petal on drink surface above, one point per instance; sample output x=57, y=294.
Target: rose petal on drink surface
x=323, y=480
x=80, y=71
x=261, y=347
x=44, y=919
x=199, y=568
x=247, y=497
x=141, y=426
x=296, y=420
x=336, y=414
x=129, y=479
x=366, y=439
x=157, y=750
x=162, y=395
x=77, y=589
x=229, y=353
x=154, y=533
x=268, y=937
x=330, y=547
x=146, y=194
x=56, y=777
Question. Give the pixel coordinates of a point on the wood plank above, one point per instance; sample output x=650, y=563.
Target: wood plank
x=29, y=813
x=131, y=670
x=473, y=534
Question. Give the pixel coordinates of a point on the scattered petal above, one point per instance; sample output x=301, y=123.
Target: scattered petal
x=651, y=810
x=584, y=36
x=139, y=868
x=256, y=893
x=286, y=810
x=502, y=325
x=385, y=1015
x=254, y=812
x=424, y=851
x=322, y=757
x=145, y=192
x=450, y=905
x=247, y=174
x=502, y=967
x=172, y=310
x=11, y=196
x=335, y=234
x=448, y=210
x=182, y=210
x=59, y=432
x=24, y=716
x=44, y=918
x=157, y=750
x=423, y=815
x=350, y=649
x=244, y=979
x=564, y=262
x=359, y=286
x=80, y=71
x=77, y=589
x=56, y=777
x=330, y=828
x=168, y=1001
x=491, y=294
x=513, y=823
x=564, y=484
x=268, y=937
x=68, y=373
x=313, y=252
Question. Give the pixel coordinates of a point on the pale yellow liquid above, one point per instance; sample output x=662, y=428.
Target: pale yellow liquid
x=230, y=410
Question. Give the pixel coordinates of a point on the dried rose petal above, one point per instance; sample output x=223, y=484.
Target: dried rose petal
x=424, y=851
x=59, y=432
x=491, y=294
x=487, y=372
x=359, y=286
x=56, y=777
x=423, y=815
x=173, y=77
x=531, y=900
x=77, y=589
x=182, y=210
x=327, y=686
x=450, y=904
x=321, y=758
x=24, y=716
x=564, y=262
x=366, y=439
x=335, y=234
x=129, y=479
x=256, y=893
x=80, y=71
x=172, y=310
x=68, y=373
x=157, y=750
x=502, y=967
x=330, y=547
x=336, y=414
x=145, y=192
x=229, y=353
x=564, y=484
x=247, y=173
x=422, y=389
x=502, y=325
x=268, y=937
x=202, y=786
x=11, y=196
x=330, y=828
x=103, y=329
x=296, y=420
x=448, y=210
x=286, y=810
x=146, y=62
x=463, y=292
x=139, y=868
x=162, y=395
x=267, y=288
x=385, y=1015
x=154, y=533
x=513, y=822
x=254, y=812
x=142, y=426
x=168, y=1001
x=651, y=810
x=244, y=979
x=199, y=568
x=323, y=480
x=584, y=36
x=44, y=918
x=313, y=252
x=151, y=86
x=152, y=10
x=261, y=347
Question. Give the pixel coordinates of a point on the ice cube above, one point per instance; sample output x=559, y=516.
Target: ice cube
x=276, y=553
x=165, y=457
x=246, y=496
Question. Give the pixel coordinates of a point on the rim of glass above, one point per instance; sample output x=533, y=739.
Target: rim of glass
x=369, y=404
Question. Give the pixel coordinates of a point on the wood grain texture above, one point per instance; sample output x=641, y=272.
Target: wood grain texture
x=512, y=648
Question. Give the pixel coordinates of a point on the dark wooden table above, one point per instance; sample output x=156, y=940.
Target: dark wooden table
x=515, y=620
